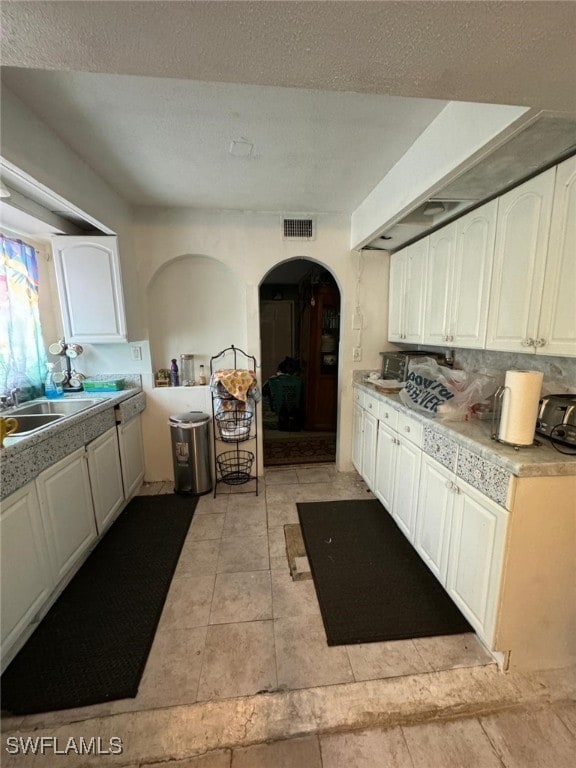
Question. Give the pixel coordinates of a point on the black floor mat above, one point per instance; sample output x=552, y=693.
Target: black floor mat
x=93, y=644
x=370, y=582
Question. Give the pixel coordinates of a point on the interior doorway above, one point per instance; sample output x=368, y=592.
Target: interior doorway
x=299, y=336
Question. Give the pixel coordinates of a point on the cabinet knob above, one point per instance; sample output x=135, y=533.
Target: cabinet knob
x=449, y=484
x=539, y=342
x=385, y=415
x=527, y=342
x=406, y=429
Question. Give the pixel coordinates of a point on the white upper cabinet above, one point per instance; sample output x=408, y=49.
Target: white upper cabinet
x=407, y=284
x=439, y=285
x=522, y=232
x=557, y=326
x=90, y=289
x=458, y=280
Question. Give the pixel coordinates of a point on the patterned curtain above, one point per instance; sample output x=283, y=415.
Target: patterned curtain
x=22, y=351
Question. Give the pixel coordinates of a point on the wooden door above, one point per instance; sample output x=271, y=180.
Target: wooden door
x=276, y=334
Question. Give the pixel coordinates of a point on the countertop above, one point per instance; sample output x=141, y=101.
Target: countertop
x=475, y=435
x=23, y=458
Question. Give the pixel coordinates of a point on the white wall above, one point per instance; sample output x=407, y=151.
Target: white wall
x=196, y=305
x=248, y=245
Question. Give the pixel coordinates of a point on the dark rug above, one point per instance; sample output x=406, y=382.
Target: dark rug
x=300, y=450
x=93, y=643
x=370, y=582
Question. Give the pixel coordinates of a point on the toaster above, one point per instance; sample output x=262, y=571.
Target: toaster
x=557, y=418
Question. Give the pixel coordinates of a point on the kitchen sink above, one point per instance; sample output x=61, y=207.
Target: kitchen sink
x=61, y=407
x=27, y=424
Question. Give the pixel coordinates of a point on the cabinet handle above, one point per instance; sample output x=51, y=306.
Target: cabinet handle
x=450, y=338
x=449, y=484
x=385, y=415
x=539, y=342
x=406, y=429
x=455, y=488
x=527, y=342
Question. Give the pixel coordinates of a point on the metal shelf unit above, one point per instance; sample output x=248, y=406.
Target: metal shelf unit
x=235, y=424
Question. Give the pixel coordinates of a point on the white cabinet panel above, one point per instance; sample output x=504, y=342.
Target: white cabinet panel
x=407, y=293
x=406, y=482
x=386, y=455
x=473, y=259
x=458, y=280
x=434, y=516
x=67, y=511
x=131, y=455
x=439, y=285
x=90, y=288
x=557, y=326
x=369, y=437
x=522, y=231
x=105, y=478
x=27, y=577
x=357, y=437
x=477, y=543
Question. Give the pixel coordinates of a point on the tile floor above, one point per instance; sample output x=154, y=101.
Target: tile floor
x=235, y=624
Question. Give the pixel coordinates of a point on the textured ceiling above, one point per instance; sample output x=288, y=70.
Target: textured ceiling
x=502, y=52
x=120, y=82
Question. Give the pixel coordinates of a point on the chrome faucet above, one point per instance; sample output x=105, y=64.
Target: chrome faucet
x=13, y=398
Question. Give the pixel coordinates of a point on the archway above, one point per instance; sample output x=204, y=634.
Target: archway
x=299, y=336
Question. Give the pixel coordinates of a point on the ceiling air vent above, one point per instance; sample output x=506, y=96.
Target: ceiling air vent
x=299, y=229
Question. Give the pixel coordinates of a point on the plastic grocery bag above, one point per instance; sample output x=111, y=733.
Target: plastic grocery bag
x=440, y=391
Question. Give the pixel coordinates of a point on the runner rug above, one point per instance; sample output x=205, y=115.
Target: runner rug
x=370, y=582
x=93, y=643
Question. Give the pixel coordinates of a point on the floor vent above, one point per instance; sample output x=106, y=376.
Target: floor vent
x=299, y=229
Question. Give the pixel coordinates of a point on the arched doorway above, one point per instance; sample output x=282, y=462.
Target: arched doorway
x=299, y=336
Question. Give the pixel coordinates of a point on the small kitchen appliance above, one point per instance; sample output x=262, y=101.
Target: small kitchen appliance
x=395, y=364
x=557, y=418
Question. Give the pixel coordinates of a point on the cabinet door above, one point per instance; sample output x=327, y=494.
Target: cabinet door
x=357, y=437
x=90, y=289
x=473, y=259
x=397, y=296
x=27, y=579
x=369, y=437
x=67, y=511
x=476, y=554
x=105, y=478
x=386, y=455
x=522, y=229
x=434, y=515
x=439, y=285
x=406, y=481
x=415, y=284
x=131, y=455
x=557, y=326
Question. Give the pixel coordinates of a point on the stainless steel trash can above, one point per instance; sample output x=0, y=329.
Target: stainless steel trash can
x=191, y=453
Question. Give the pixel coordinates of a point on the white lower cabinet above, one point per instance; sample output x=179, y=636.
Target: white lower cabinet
x=357, y=437
x=397, y=477
x=434, y=516
x=27, y=577
x=131, y=455
x=460, y=535
x=67, y=511
x=105, y=478
x=406, y=482
x=369, y=438
x=477, y=541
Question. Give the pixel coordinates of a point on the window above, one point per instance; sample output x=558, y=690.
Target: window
x=22, y=351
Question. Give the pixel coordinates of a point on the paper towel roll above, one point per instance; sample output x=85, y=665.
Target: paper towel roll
x=520, y=407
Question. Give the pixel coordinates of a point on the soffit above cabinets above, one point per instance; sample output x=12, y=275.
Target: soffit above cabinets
x=545, y=141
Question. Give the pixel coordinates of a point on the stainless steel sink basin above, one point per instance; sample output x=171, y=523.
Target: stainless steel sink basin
x=62, y=407
x=28, y=424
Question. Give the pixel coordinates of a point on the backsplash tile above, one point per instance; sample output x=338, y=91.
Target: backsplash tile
x=559, y=372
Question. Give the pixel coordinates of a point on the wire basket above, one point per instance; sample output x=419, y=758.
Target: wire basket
x=235, y=466
x=234, y=425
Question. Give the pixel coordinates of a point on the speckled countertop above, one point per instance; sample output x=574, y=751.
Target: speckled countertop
x=535, y=461
x=23, y=458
